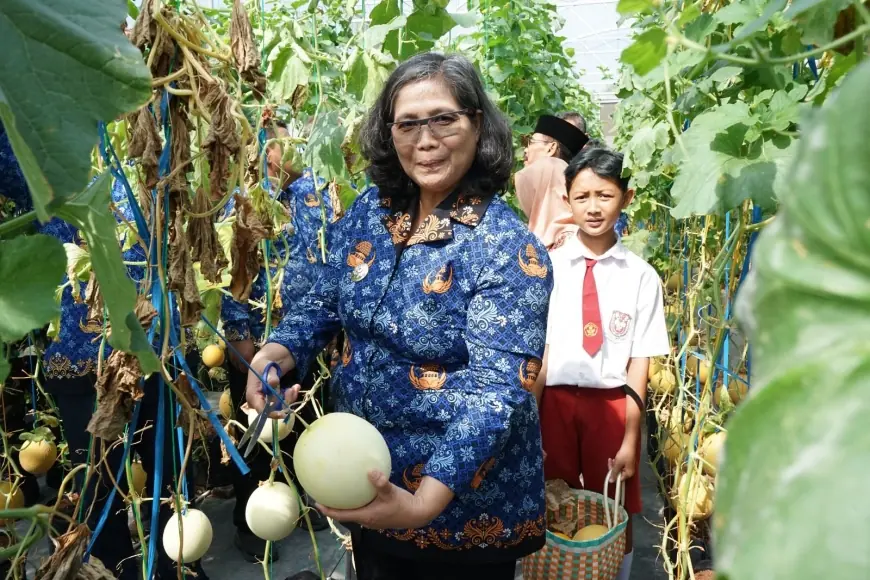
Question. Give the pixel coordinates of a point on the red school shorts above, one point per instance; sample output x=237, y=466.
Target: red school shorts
x=582, y=429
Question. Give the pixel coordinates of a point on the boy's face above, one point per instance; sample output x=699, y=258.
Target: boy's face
x=596, y=203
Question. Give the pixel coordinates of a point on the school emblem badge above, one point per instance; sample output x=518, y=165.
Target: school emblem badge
x=619, y=323
x=591, y=329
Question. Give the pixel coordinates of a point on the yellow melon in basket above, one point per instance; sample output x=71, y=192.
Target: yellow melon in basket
x=592, y=532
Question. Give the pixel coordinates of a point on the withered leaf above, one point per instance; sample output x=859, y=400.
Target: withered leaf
x=205, y=247
x=94, y=298
x=248, y=231
x=66, y=561
x=145, y=145
x=182, y=383
x=145, y=27
x=94, y=569
x=182, y=278
x=117, y=390
x=244, y=49
x=164, y=45
x=180, y=154
x=222, y=141
x=144, y=311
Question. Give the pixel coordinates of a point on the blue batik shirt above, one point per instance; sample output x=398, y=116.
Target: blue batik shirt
x=297, y=247
x=74, y=352
x=445, y=334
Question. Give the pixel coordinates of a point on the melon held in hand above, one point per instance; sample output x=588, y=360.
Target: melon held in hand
x=334, y=456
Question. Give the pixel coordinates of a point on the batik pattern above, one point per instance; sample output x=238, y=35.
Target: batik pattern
x=309, y=208
x=446, y=332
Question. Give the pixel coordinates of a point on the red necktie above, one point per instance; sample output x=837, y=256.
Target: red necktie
x=592, y=337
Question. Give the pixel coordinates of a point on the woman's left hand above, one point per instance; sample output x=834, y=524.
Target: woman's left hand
x=393, y=508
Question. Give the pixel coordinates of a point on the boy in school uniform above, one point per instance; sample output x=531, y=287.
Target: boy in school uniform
x=606, y=320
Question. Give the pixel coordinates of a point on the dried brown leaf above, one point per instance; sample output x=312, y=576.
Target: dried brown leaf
x=145, y=28
x=94, y=298
x=182, y=383
x=117, y=390
x=222, y=142
x=244, y=49
x=248, y=231
x=164, y=46
x=182, y=278
x=180, y=155
x=66, y=561
x=205, y=247
x=145, y=145
x=94, y=569
x=144, y=311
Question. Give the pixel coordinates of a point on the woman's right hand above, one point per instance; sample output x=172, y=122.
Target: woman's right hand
x=254, y=393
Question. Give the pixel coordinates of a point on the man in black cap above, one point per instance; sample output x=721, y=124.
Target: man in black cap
x=555, y=137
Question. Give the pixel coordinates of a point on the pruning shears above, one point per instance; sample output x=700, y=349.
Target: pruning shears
x=274, y=401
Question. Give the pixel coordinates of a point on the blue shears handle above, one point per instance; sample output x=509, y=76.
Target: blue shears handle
x=267, y=388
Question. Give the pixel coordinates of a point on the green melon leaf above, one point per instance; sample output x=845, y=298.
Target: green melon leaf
x=647, y=51
x=73, y=55
x=89, y=212
x=31, y=268
x=796, y=456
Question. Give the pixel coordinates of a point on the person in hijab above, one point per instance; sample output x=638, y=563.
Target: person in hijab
x=540, y=185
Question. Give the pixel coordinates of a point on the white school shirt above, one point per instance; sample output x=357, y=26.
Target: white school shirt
x=632, y=314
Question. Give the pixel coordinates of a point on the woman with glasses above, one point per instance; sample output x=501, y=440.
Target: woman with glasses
x=443, y=294
x=541, y=184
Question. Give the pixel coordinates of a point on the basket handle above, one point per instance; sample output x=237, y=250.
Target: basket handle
x=620, y=487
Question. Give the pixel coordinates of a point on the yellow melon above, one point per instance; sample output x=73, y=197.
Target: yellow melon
x=139, y=477
x=226, y=404
x=695, y=499
x=37, y=457
x=213, y=356
x=711, y=448
x=592, y=532
x=8, y=500
x=675, y=444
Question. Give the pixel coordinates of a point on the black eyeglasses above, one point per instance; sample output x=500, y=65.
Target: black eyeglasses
x=441, y=126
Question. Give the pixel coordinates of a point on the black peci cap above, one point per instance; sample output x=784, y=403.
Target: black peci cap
x=562, y=131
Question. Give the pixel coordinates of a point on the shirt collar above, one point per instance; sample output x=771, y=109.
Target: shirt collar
x=438, y=225
x=575, y=249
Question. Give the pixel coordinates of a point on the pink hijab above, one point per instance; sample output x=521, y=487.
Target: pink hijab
x=542, y=197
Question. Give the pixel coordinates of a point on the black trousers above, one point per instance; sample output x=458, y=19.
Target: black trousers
x=75, y=399
x=260, y=461
x=372, y=564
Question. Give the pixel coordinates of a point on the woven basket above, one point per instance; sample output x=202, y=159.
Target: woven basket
x=597, y=559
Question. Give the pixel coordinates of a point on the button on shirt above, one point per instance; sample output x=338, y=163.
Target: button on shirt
x=632, y=314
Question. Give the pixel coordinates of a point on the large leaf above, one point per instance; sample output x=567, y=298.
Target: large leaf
x=66, y=66
x=791, y=501
x=817, y=18
x=743, y=32
x=324, y=146
x=31, y=267
x=718, y=174
x=647, y=51
x=375, y=35
x=89, y=212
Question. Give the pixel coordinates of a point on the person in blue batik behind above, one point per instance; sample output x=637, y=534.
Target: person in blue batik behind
x=310, y=209
x=443, y=294
x=70, y=375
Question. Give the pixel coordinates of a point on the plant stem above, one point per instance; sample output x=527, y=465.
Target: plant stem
x=17, y=223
